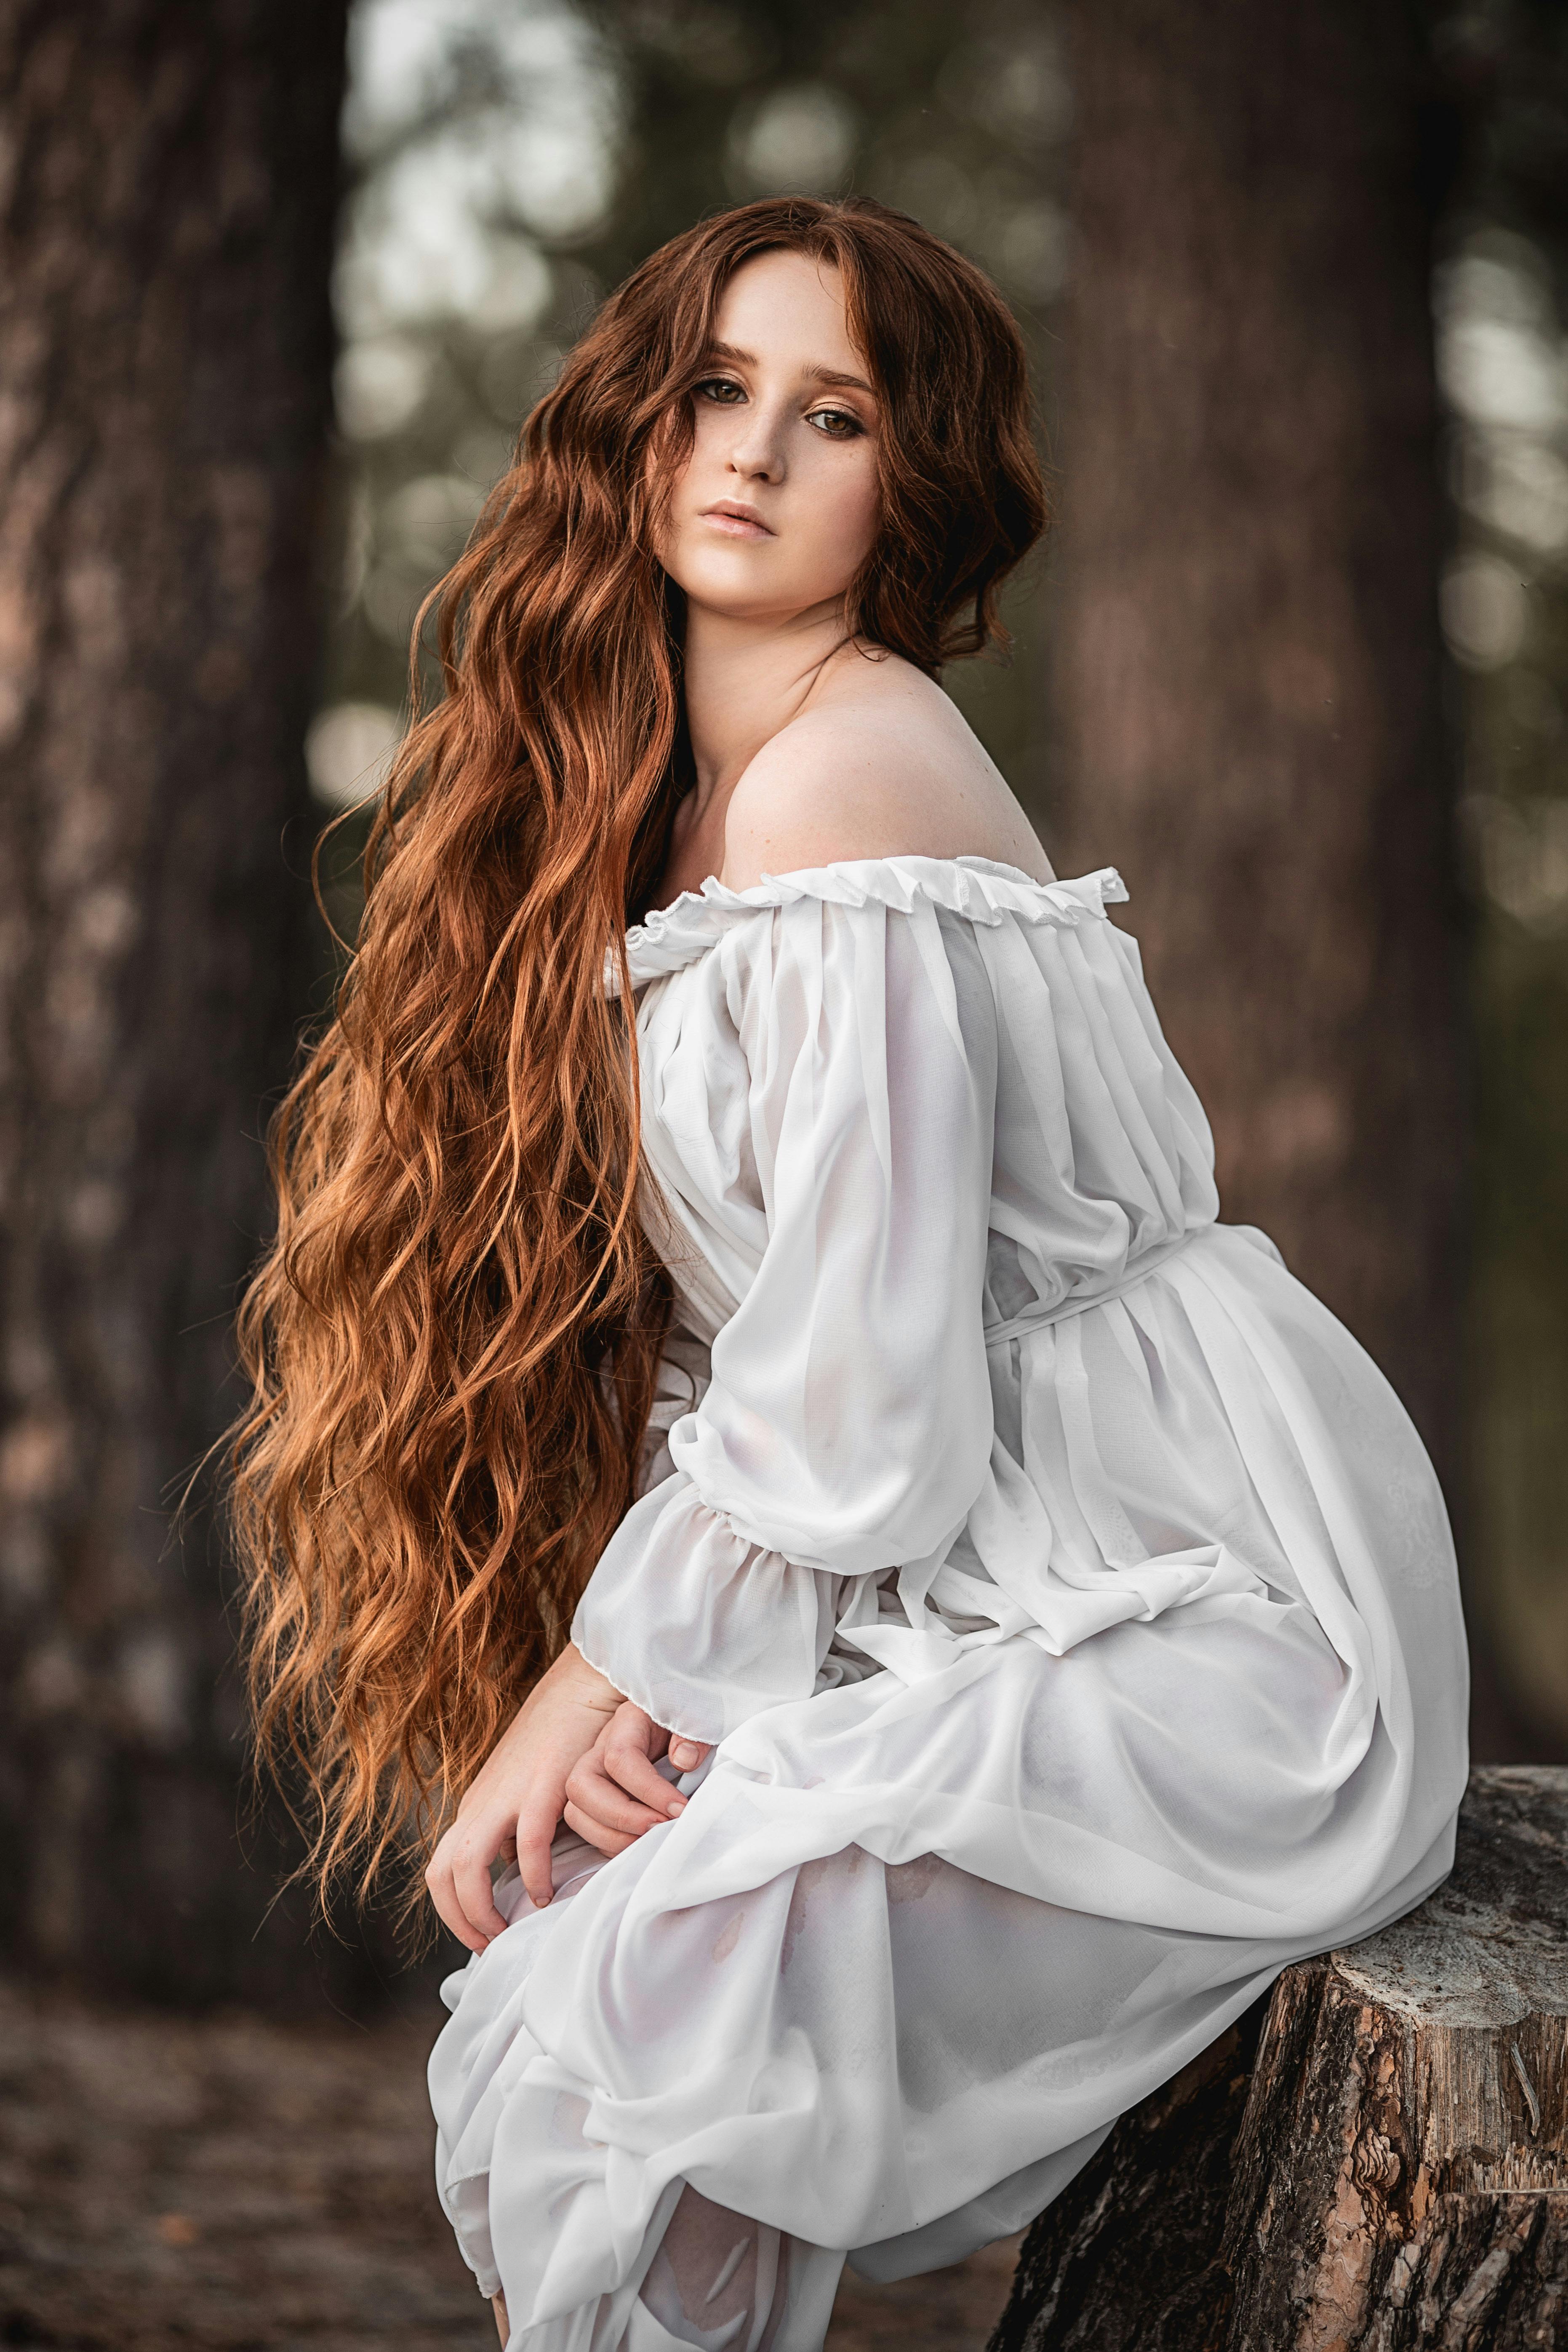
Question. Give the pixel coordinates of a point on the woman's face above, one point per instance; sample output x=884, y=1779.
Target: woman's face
x=776, y=507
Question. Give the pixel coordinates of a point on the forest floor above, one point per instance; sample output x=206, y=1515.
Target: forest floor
x=225, y=2184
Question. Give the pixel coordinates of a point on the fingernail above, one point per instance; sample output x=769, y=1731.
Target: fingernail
x=677, y=1805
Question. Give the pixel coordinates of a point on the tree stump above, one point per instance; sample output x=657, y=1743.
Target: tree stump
x=1373, y=2160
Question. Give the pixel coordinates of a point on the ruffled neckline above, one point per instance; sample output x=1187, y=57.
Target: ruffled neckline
x=977, y=888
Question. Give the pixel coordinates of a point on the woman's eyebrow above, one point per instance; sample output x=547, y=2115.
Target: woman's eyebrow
x=739, y=358
x=835, y=375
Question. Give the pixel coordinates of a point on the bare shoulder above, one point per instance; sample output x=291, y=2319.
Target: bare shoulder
x=885, y=767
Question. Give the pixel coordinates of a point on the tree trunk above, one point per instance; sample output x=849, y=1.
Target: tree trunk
x=1385, y=2170
x=164, y=362
x=1247, y=674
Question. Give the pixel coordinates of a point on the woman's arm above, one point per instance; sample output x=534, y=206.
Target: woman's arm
x=847, y=1428
x=576, y=1744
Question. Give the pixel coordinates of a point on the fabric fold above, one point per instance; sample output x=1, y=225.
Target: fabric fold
x=699, y=1625
x=976, y=887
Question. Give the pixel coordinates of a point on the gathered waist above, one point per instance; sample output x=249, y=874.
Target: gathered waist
x=1079, y=1302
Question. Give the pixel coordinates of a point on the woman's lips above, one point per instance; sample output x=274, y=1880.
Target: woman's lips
x=735, y=526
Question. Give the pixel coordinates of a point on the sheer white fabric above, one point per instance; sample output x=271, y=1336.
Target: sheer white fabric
x=1070, y=1597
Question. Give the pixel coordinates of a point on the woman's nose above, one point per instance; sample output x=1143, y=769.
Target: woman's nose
x=757, y=451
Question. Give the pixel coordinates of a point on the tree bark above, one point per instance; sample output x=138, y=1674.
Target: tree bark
x=1384, y=2170
x=1247, y=673
x=1129, y=2256
x=1401, y=2176
x=164, y=365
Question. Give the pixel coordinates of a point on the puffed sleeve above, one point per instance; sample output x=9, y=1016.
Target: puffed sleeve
x=846, y=1425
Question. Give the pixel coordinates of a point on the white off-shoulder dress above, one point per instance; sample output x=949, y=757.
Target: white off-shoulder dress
x=1070, y=1600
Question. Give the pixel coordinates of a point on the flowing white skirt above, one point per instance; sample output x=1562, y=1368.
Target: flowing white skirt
x=799, y=2001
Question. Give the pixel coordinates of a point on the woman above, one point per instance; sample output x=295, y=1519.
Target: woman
x=1012, y=1618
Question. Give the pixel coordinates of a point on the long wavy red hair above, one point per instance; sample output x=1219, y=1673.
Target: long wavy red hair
x=454, y=1335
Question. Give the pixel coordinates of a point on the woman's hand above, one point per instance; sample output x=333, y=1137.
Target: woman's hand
x=613, y=1794
x=514, y=1803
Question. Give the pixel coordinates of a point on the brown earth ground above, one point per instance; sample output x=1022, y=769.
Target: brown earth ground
x=228, y=2185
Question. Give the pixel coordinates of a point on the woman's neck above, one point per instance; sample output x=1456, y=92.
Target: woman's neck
x=744, y=681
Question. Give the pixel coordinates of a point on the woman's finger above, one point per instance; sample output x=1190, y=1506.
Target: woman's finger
x=448, y=1910
x=475, y=1848
x=536, y=1833
x=592, y=1791
x=595, y=1834
x=451, y=1899
x=687, y=1754
x=623, y=1753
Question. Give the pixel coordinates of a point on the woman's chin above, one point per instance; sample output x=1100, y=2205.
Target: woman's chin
x=754, y=602
x=746, y=594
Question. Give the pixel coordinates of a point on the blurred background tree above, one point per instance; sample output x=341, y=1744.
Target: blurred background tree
x=1218, y=226
x=1502, y=302
x=170, y=192
x=1246, y=654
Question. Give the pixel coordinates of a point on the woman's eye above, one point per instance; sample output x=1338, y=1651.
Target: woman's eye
x=720, y=389
x=837, y=424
